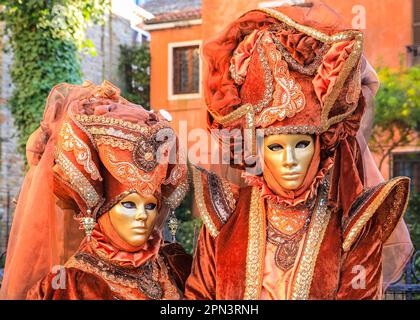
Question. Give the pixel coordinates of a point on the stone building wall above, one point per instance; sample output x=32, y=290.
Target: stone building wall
x=11, y=173
x=104, y=65
x=107, y=40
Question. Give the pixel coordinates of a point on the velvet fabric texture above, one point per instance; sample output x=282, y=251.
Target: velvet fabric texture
x=93, y=148
x=212, y=275
x=82, y=285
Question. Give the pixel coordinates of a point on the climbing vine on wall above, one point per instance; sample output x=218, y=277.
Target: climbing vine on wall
x=45, y=38
x=135, y=67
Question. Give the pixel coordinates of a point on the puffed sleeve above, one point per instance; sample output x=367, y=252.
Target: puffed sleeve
x=201, y=284
x=373, y=218
x=78, y=285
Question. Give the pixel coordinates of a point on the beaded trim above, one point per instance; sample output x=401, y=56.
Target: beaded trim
x=255, y=249
x=315, y=236
x=144, y=278
x=393, y=217
x=294, y=65
x=349, y=64
x=345, y=35
x=229, y=196
x=109, y=131
x=199, y=198
x=217, y=197
x=78, y=181
x=306, y=129
x=176, y=197
x=371, y=209
x=97, y=120
x=83, y=128
x=268, y=81
x=115, y=143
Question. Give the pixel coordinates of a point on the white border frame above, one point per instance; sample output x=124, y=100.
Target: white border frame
x=185, y=96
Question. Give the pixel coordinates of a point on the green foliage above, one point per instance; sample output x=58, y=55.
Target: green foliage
x=189, y=226
x=45, y=37
x=398, y=99
x=397, y=114
x=135, y=66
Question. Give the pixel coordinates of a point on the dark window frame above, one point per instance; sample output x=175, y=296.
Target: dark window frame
x=403, y=161
x=185, y=83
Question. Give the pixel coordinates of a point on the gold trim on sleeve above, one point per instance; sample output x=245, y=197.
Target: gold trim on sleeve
x=370, y=211
x=199, y=198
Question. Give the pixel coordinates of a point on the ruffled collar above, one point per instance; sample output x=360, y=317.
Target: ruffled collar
x=106, y=243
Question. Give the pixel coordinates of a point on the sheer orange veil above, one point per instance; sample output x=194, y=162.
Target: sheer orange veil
x=40, y=226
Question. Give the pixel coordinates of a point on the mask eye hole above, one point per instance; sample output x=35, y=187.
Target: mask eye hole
x=129, y=205
x=150, y=206
x=303, y=144
x=275, y=147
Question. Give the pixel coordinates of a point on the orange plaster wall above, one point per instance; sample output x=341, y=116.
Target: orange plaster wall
x=388, y=31
x=388, y=24
x=190, y=110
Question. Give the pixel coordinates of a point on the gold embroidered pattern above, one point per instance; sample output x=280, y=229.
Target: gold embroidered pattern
x=176, y=197
x=345, y=35
x=229, y=196
x=288, y=98
x=110, y=131
x=142, y=182
x=268, y=80
x=81, y=151
x=393, y=216
x=255, y=250
x=199, y=197
x=318, y=225
x=101, y=120
x=145, y=278
x=370, y=211
x=305, y=129
x=348, y=66
x=115, y=143
x=353, y=93
x=78, y=181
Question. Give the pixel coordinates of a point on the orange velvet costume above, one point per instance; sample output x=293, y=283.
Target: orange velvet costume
x=95, y=148
x=281, y=72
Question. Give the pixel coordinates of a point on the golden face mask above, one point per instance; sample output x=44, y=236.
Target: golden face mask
x=134, y=218
x=287, y=158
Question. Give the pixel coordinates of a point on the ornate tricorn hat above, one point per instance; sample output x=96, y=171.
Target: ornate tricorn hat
x=108, y=147
x=273, y=70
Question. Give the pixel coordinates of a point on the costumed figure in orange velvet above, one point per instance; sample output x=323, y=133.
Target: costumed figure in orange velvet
x=305, y=225
x=116, y=166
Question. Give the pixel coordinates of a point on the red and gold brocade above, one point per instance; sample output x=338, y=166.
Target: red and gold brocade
x=84, y=282
x=331, y=248
x=100, y=270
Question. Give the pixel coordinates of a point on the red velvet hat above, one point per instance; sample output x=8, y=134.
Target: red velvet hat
x=108, y=147
x=278, y=71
